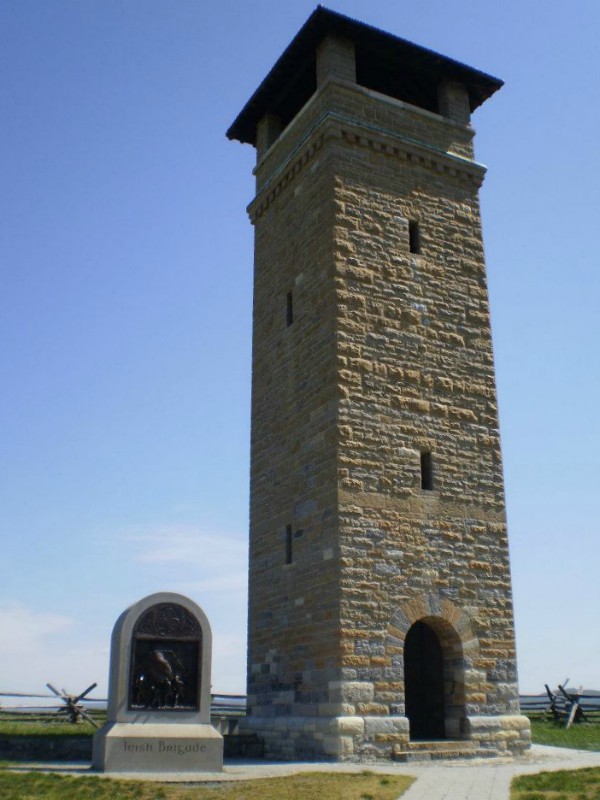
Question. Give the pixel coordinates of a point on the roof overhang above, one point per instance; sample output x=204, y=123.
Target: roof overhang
x=384, y=62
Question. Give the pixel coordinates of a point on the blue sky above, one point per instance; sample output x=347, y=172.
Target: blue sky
x=125, y=321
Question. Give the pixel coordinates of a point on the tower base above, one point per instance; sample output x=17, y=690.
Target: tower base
x=383, y=738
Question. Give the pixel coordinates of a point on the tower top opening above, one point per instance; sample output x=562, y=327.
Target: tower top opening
x=384, y=62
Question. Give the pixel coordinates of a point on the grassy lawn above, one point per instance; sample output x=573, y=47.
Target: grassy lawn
x=13, y=724
x=307, y=786
x=583, y=736
x=579, y=784
x=9, y=728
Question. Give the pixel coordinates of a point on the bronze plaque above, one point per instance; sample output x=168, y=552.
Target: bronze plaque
x=166, y=654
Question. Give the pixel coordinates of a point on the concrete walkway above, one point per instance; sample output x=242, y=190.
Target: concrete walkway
x=476, y=779
x=490, y=780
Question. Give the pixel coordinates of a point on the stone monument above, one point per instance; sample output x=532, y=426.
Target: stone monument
x=380, y=607
x=159, y=691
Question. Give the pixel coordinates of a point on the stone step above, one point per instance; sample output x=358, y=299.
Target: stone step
x=407, y=757
x=441, y=744
x=440, y=750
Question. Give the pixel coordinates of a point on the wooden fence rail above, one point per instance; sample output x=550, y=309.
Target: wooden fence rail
x=566, y=709
x=233, y=706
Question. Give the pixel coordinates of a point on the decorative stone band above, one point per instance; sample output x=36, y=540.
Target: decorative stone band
x=335, y=125
x=284, y=175
x=421, y=153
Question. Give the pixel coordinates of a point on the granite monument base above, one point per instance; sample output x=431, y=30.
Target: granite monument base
x=156, y=747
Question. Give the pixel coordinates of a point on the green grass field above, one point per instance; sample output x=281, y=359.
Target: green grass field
x=49, y=725
x=308, y=786
x=579, y=784
x=583, y=736
x=45, y=729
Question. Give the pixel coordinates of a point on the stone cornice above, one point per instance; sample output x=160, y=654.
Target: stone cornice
x=358, y=132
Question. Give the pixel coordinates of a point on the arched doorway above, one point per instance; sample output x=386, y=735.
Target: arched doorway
x=460, y=651
x=424, y=683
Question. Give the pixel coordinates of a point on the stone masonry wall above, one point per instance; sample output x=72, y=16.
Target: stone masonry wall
x=293, y=640
x=416, y=374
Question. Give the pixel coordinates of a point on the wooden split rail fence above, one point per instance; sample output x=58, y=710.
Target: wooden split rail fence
x=225, y=712
x=562, y=705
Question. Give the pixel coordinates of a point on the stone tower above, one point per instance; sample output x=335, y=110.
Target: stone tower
x=380, y=598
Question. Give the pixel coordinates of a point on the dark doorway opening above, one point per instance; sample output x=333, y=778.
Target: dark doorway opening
x=424, y=683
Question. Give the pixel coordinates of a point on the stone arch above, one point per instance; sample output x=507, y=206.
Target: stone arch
x=460, y=646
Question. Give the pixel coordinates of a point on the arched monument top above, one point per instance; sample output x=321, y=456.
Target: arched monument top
x=161, y=652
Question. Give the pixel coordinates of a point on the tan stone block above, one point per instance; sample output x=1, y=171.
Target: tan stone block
x=475, y=698
x=390, y=686
x=480, y=565
x=515, y=723
x=371, y=709
x=351, y=691
x=347, y=726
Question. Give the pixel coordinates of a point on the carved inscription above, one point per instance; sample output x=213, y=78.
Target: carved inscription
x=162, y=746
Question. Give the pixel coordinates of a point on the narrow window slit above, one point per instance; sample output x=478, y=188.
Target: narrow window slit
x=414, y=237
x=288, y=544
x=289, y=309
x=426, y=471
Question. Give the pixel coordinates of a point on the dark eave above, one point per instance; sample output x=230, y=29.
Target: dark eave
x=384, y=62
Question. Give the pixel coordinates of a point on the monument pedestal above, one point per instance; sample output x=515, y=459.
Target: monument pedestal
x=158, y=715
x=156, y=747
